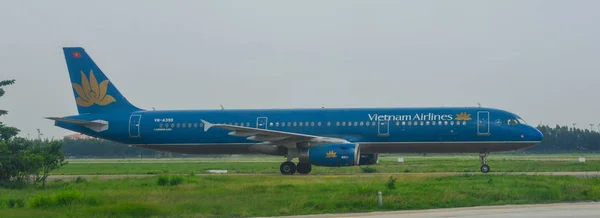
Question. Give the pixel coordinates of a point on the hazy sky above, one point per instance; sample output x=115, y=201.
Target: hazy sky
x=539, y=59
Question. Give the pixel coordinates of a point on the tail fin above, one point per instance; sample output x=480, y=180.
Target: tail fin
x=94, y=93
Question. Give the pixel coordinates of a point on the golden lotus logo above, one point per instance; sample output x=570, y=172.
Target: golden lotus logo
x=91, y=92
x=463, y=116
x=330, y=154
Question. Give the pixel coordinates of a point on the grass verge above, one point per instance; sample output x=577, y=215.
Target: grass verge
x=242, y=196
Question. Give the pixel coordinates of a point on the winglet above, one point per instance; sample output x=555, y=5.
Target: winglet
x=207, y=125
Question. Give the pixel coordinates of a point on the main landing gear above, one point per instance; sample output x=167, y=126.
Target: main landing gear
x=289, y=168
x=484, y=167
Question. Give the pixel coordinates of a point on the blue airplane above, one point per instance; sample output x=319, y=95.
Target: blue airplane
x=330, y=137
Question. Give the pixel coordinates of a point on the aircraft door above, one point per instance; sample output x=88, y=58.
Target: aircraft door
x=261, y=123
x=483, y=123
x=383, y=128
x=134, y=125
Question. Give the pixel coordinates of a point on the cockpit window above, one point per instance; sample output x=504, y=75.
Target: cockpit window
x=514, y=121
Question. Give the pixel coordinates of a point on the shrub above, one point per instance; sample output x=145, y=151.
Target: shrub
x=175, y=180
x=80, y=179
x=368, y=169
x=15, y=203
x=391, y=183
x=164, y=180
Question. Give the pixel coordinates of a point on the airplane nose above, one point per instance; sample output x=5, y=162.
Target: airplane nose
x=535, y=135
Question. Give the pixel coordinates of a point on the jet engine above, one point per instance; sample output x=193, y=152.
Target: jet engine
x=343, y=154
x=368, y=159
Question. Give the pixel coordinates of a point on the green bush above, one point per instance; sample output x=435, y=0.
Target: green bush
x=391, y=183
x=80, y=179
x=13, y=203
x=164, y=180
x=368, y=169
x=175, y=180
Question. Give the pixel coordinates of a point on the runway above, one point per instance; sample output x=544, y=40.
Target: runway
x=591, y=174
x=559, y=210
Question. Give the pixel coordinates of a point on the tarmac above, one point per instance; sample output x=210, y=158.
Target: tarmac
x=558, y=210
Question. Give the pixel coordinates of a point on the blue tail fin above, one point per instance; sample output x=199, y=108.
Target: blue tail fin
x=94, y=93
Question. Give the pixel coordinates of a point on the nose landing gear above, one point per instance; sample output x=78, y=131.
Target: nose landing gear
x=484, y=167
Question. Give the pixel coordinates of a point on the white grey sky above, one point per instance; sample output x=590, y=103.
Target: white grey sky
x=538, y=59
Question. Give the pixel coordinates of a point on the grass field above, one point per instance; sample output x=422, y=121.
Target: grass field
x=270, y=165
x=171, y=190
x=263, y=195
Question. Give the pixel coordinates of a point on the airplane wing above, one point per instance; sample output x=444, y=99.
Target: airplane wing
x=97, y=125
x=289, y=139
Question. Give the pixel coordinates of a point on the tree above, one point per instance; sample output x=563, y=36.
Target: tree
x=49, y=157
x=6, y=132
x=23, y=160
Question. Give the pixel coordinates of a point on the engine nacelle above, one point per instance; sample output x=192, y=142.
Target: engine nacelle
x=330, y=155
x=368, y=159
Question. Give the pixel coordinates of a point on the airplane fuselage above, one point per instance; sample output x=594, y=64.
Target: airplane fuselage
x=377, y=130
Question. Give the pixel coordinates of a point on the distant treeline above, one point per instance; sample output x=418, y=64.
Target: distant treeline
x=564, y=139
x=560, y=139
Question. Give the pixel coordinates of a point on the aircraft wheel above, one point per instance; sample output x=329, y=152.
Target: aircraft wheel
x=304, y=168
x=287, y=168
x=485, y=168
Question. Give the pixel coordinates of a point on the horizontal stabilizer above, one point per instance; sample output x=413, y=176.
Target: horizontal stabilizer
x=96, y=125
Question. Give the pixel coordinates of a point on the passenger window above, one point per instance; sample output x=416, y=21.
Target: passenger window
x=427, y=123
x=305, y=123
x=312, y=123
x=445, y=123
x=372, y=123
x=328, y=123
x=300, y=124
x=344, y=123
x=160, y=125
x=362, y=123
x=277, y=124
x=368, y=123
x=178, y=125
x=319, y=124
x=404, y=123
